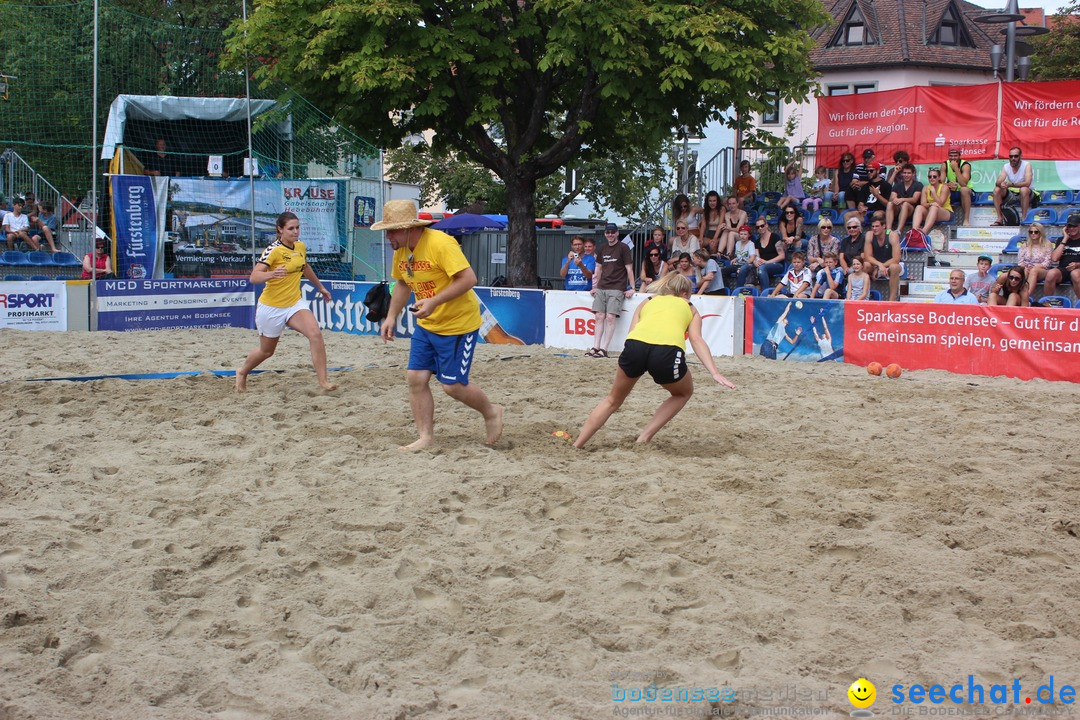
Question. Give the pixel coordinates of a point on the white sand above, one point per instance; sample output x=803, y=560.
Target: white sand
x=171, y=550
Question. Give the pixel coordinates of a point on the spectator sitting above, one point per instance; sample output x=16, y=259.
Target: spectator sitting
x=819, y=191
x=874, y=195
x=900, y=158
x=769, y=262
x=1034, y=257
x=45, y=225
x=882, y=255
x=745, y=185
x=100, y=264
x=860, y=177
x=794, y=193
x=956, y=293
x=1010, y=289
x=1015, y=177
x=853, y=245
x=1067, y=257
x=713, y=219
x=829, y=284
x=658, y=240
x=577, y=270
x=936, y=204
x=17, y=225
x=734, y=219
x=821, y=243
x=842, y=177
x=858, y=282
x=796, y=281
x=980, y=281
x=160, y=163
x=907, y=193
x=957, y=175
x=653, y=267
x=790, y=229
x=685, y=212
x=684, y=265
x=683, y=242
x=743, y=256
x=709, y=281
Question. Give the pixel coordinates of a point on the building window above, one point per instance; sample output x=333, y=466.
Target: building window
x=853, y=31
x=850, y=89
x=771, y=116
x=951, y=31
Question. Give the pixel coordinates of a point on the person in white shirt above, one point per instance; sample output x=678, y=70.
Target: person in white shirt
x=956, y=293
x=17, y=225
x=797, y=279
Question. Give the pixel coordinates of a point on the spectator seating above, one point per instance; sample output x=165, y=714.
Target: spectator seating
x=873, y=295
x=39, y=257
x=1044, y=215
x=771, y=196
x=65, y=259
x=1059, y=301
x=915, y=245
x=771, y=213
x=14, y=258
x=983, y=198
x=1057, y=197
x=1014, y=245
x=999, y=268
x=15, y=278
x=812, y=219
x=745, y=291
x=40, y=278
x=1076, y=303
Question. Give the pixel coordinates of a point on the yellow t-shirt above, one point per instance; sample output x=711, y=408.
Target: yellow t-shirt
x=663, y=321
x=284, y=292
x=436, y=259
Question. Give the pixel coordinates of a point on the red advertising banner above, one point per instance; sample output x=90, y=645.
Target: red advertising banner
x=1041, y=119
x=1023, y=343
x=924, y=121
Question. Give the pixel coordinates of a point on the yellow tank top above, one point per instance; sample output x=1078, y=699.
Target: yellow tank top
x=663, y=321
x=286, y=291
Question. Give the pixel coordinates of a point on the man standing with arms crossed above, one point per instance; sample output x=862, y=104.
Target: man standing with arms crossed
x=447, y=311
x=613, y=282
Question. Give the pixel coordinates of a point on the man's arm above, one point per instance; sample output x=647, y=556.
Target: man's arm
x=629, y=279
x=402, y=291
x=596, y=276
x=1026, y=182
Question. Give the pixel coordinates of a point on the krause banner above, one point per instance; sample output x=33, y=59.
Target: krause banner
x=216, y=214
x=508, y=316
x=1023, y=343
x=138, y=222
x=33, y=305
x=570, y=322
x=165, y=304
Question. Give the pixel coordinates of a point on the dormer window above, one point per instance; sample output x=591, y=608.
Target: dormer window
x=853, y=31
x=951, y=31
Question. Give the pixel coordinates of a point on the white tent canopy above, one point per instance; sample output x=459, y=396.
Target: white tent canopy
x=163, y=107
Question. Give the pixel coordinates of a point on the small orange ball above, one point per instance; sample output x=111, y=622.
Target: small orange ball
x=894, y=370
x=874, y=368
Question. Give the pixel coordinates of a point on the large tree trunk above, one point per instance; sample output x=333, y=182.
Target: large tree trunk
x=521, y=211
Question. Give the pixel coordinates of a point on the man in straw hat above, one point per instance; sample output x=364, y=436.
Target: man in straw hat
x=430, y=264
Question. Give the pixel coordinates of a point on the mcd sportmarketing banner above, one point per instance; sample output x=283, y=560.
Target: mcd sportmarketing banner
x=165, y=304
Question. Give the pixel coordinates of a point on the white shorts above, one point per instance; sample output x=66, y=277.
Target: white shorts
x=270, y=321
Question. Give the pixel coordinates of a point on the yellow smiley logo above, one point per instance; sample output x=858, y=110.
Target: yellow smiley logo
x=862, y=693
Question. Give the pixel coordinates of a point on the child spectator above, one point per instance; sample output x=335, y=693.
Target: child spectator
x=820, y=190
x=45, y=225
x=796, y=282
x=16, y=226
x=829, y=283
x=745, y=185
x=980, y=281
x=710, y=281
x=858, y=282
x=794, y=193
x=743, y=255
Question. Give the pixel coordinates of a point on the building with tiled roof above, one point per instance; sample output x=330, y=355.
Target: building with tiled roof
x=886, y=45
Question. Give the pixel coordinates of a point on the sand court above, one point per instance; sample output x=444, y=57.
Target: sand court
x=169, y=549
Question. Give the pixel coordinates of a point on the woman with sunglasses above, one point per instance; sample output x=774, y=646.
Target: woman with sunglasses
x=845, y=173
x=1034, y=257
x=99, y=265
x=853, y=244
x=281, y=305
x=653, y=267
x=821, y=244
x=682, y=210
x=713, y=219
x=683, y=242
x=1010, y=289
x=790, y=229
x=936, y=204
x=769, y=263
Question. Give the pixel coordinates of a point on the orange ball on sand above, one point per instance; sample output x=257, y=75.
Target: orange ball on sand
x=894, y=370
x=874, y=368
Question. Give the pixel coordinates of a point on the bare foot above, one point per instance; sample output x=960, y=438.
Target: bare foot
x=494, y=425
x=417, y=445
x=328, y=386
x=241, y=382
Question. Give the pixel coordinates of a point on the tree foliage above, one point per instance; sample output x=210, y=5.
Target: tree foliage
x=1056, y=55
x=523, y=87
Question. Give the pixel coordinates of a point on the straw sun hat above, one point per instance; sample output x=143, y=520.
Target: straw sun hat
x=398, y=215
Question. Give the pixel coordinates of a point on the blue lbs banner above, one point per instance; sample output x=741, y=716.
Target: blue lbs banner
x=162, y=304
x=508, y=316
x=805, y=330
x=135, y=226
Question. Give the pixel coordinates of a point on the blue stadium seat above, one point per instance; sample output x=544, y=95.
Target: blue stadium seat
x=15, y=278
x=1057, y=197
x=1064, y=213
x=812, y=219
x=1044, y=215
x=772, y=214
x=14, y=258
x=39, y=278
x=751, y=217
x=1055, y=239
x=999, y=268
x=772, y=196
x=1058, y=301
x=745, y=290
x=1076, y=303
x=38, y=257
x=65, y=259
x=1014, y=245
x=983, y=198
x=873, y=295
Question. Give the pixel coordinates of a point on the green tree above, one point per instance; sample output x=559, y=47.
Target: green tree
x=550, y=76
x=1056, y=55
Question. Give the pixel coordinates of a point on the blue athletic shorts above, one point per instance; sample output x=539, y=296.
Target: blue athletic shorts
x=449, y=357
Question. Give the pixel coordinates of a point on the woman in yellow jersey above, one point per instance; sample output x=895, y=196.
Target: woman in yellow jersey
x=281, y=266
x=657, y=344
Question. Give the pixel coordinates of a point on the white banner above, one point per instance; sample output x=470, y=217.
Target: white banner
x=569, y=321
x=36, y=305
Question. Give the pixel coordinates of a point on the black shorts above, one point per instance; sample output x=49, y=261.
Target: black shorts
x=666, y=363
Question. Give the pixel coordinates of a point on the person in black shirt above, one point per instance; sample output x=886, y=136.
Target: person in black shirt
x=160, y=163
